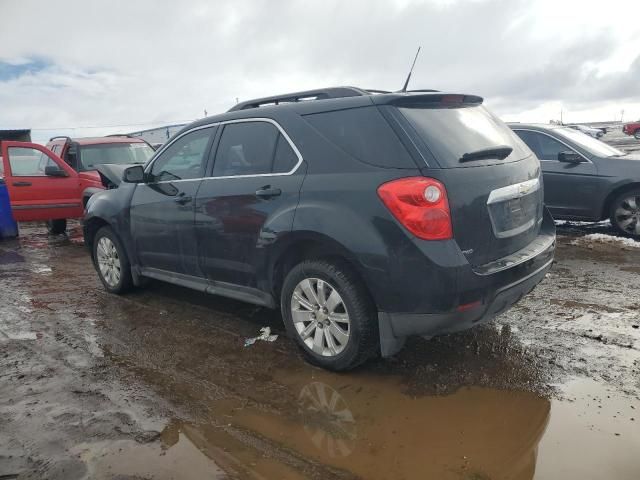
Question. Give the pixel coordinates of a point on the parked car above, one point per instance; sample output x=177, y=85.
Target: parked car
x=365, y=217
x=592, y=132
x=54, y=183
x=586, y=179
x=632, y=128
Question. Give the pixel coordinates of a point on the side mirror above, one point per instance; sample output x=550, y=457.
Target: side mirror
x=133, y=174
x=570, y=157
x=55, y=171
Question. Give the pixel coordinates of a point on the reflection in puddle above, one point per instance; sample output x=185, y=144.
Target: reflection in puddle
x=327, y=419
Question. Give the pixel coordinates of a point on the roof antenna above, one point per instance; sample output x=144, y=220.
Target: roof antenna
x=406, y=83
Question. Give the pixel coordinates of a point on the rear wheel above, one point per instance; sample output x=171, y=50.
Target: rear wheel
x=57, y=227
x=625, y=213
x=329, y=314
x=111, y=261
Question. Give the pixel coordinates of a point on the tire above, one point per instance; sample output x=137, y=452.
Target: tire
x=625, y=213
x=322, y=337
x=636, y=134
x=111, y=261
x=57, y=227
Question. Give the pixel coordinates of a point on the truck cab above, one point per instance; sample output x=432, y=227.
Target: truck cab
x=54, y=183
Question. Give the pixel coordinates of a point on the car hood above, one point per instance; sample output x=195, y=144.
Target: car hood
x=111, y=173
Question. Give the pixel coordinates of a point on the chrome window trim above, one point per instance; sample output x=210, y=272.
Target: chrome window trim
x=554, y=138
x=227, y=122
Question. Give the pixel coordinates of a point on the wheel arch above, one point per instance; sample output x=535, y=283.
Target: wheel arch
x=301, y=246
x=90, y=228
x=606, y=208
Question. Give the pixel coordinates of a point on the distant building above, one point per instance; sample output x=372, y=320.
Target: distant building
x=158, y=136
x=22, y=135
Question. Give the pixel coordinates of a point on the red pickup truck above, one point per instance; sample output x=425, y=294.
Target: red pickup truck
x=43, y=186
x=632, y=128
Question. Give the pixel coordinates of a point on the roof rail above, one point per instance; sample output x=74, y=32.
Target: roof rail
x=60, y=136
x=119, y=135
x=321, y=94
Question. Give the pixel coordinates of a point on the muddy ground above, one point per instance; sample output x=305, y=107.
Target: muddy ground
x=158, y=384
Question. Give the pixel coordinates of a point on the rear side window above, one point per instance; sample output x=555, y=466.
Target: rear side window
x=451, y=132
x=253, y=148
x=364, y=134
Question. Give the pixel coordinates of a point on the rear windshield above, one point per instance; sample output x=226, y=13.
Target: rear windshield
x=451, y=132
x=120, y=153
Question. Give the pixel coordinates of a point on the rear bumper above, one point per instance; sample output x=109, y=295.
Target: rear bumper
x=492, y=290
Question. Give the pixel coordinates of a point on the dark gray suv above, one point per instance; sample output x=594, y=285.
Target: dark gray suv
x=364, y=217
x=586, y=179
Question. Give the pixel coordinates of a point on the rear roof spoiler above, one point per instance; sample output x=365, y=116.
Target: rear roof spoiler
x=435, y=100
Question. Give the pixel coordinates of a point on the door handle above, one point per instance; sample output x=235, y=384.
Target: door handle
x=268, y=192
x=21, y=184
x=182, y=199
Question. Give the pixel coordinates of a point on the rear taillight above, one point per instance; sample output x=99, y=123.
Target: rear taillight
x=420, y=204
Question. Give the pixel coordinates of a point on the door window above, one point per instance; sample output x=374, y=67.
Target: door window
x=545, y=147
x=29, y=162
x=184, y=159
x=253, y=148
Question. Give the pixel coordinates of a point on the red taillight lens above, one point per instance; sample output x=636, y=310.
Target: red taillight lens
x=421, y=205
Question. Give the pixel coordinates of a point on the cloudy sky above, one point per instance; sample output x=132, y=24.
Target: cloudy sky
x=121, y=65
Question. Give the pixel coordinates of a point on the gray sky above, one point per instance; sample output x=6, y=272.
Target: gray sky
x=75, y=63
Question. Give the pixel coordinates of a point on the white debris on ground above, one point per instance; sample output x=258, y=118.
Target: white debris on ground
x=603, y=238
x=265, y=335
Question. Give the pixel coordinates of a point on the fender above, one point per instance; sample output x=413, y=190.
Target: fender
x=111, y=207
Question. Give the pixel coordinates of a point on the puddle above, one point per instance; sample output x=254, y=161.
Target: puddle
x=128, y=459
x=367, y=428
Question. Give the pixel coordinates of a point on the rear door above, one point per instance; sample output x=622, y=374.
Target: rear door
x=571, y=189
x=247, y=201
x=41, y=186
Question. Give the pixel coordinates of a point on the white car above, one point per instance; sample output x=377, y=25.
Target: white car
x=592, y=132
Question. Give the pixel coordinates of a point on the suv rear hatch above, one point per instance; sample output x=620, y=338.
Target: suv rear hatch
x=492, y=179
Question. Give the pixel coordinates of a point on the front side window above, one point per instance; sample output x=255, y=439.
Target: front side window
x=28, y=162
x=184, y=159
x=253, y=148
x=545, y=147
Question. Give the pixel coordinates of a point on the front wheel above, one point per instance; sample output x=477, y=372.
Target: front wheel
x=625, y=213
x=57, y=227
x=636, y=134
x=330, y=315
x=111, y=261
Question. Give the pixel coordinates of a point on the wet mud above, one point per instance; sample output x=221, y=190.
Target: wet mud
x=158, y=384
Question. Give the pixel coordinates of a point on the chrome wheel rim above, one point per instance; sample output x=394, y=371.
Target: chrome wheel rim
x=320, y=317
x=627, y=215
x=108, y=261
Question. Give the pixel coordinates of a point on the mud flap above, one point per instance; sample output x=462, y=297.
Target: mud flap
x=389, y=343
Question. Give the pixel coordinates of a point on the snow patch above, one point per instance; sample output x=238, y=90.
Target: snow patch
x=603, y=238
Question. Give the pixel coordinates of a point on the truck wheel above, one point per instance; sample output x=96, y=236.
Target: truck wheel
x=328, y=312
x=57, y=227
x=625, y=213
x=111, y=262
x=636, y=134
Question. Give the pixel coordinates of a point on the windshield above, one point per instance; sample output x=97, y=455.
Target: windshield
x=120, y=153
x=592, y=145
x=453, y=132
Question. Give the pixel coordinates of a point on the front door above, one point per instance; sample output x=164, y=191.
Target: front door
x=571, y=190
x=248, y=201
x=41, y=186
x=162, y=208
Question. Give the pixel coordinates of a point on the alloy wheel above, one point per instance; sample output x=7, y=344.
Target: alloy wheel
x=627, y=215
x=108, y=261
x=320, y=317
